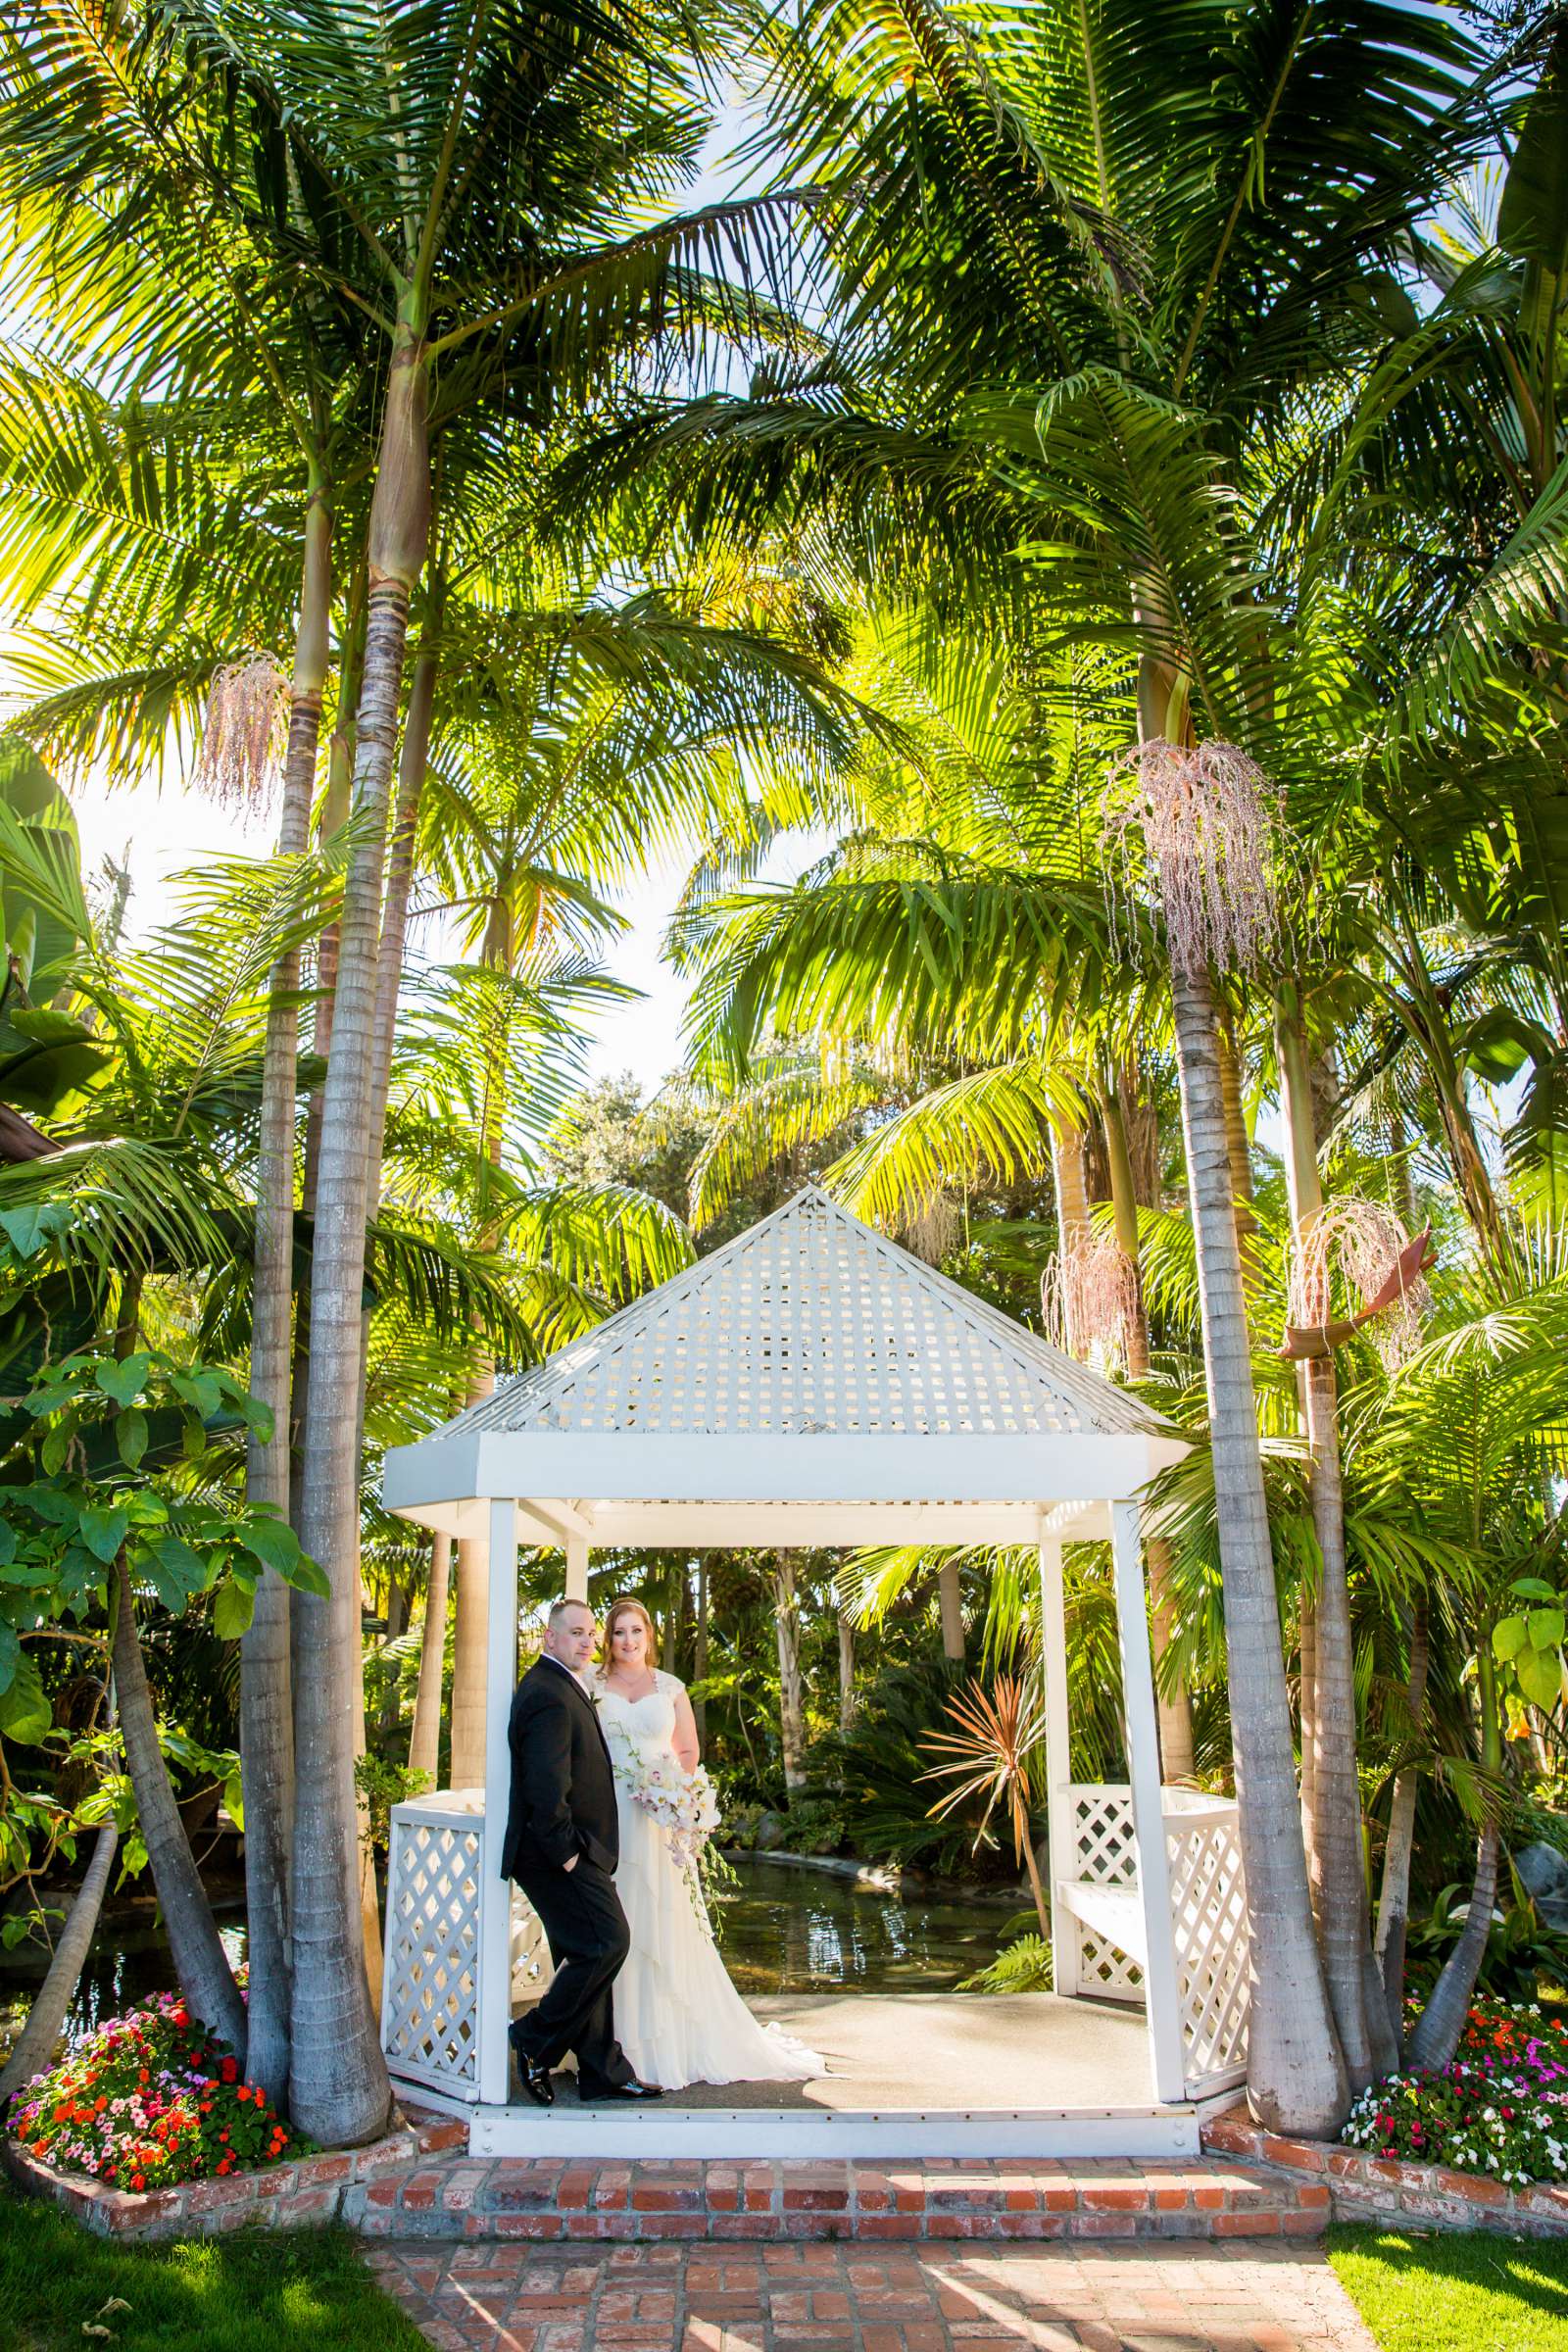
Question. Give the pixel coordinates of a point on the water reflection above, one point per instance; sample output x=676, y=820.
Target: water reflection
x=783, y=1930
x=800, y=1931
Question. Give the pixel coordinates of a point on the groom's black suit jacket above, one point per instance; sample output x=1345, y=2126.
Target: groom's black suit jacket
x=563, y=1799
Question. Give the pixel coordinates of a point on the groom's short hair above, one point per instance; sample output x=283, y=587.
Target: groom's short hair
x=558, y=1609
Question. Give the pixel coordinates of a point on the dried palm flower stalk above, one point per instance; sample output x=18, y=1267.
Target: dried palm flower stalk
x=931, y=1229
x=245, y=733
x=1366, y=1243
x=1088, y=1293
x=1210, y=829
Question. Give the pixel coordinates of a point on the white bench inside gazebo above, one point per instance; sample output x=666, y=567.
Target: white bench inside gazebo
x=812, y=1384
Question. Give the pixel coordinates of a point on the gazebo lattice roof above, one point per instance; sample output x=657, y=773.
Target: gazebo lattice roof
x=810, y=1323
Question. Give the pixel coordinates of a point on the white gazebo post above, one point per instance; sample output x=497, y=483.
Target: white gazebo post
x=494, y=2007
x=1058, y=1765
x=576, y=1568
x=1162, y=1996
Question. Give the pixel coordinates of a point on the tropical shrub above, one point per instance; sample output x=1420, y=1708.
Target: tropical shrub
x=1500, y=2107
x=150, y=2099
x=1521, y=1950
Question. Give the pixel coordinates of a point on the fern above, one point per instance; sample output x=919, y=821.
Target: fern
x=1024, y=1967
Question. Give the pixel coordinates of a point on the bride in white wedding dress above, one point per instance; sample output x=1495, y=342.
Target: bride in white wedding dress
x=678, y=2018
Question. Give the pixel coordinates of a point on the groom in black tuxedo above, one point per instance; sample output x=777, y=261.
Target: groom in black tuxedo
x=561, y=1846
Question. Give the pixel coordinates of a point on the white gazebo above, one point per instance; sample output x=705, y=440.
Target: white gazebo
x=813, y=1383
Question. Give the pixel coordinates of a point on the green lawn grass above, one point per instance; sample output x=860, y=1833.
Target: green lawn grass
x=1469, y=2293
x=295, y=2291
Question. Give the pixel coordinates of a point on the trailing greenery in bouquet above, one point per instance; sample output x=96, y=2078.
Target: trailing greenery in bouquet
x=1500, y=2107
x=684, y=1804
x=149, y=2099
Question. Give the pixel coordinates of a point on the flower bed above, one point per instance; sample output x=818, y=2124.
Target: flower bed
x=1500, y=2108
x=148, y=2100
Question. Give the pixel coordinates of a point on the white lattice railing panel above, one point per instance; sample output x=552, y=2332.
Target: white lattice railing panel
x=430, y=1972
x=1105, y=1970
x=1105, y=1844
x=1207, y=1910
x=810, y=1321
x=1209, y=1926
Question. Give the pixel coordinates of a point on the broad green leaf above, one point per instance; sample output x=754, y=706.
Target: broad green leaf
x=173, y=1569
x=1547, y=1628
x=124, y=1381
x=130, y=1436
x=50, y=1503
x=199, y=1389
x=103, y=1531
x=234, y=1800
x=273, y=1542
x=80, y=1575
x=52, y=1453
x=27, y=1229
x=25, y=1715
x=1510, y=1636
x=1539, y=1676
x=308, y=1575
x=232, y=1609
x=1532, y=1588
x=10, y=1653
x=7, y=1542
x=28, y=1576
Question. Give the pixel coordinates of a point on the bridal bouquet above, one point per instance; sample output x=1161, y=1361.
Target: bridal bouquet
x=685, y=1805
x=683, y=1802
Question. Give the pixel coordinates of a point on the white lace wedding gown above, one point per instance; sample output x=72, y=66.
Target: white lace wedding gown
x=678, y=2018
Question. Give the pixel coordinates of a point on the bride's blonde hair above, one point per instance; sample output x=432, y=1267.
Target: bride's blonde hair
x=629, y=1608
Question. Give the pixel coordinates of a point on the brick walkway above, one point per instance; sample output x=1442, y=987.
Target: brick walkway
x=848, y=2297
x=548, y=2201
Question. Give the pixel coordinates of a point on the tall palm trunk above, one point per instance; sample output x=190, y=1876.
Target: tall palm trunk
x=1438, y=2029
x=950, y=1607
x=1332, y=1796
x=413, y=762
x=1427, y=1016
x=1175, y=1708
x=201, y=1963
x=333, y=817
x=470, y=1635
x=1296, y=2077
x=1393, y=1907
x=265, y=1703
x=792, y=1706
x=1237, y=1143
x=849, y=1706
x=1072, y=1217
x=424, y=1741
x=338, y=2088
x=51, y=2003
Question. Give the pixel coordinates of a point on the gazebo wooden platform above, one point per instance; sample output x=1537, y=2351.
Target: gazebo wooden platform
x=813, y=1383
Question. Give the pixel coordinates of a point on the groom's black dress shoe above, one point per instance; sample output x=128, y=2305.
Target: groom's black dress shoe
x=537, y=2081
x=619, y=2091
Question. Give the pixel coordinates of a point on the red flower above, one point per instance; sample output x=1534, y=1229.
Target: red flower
x=229, y=2069
x=138, y=2180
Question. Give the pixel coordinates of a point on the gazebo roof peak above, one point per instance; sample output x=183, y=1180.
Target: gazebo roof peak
x=809, y=1322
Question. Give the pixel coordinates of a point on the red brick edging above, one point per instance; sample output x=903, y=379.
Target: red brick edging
x=310, y=2190
x=1377, y=2188
x=418, y=2182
